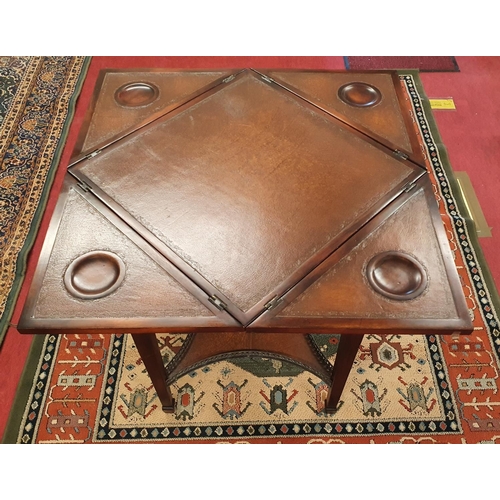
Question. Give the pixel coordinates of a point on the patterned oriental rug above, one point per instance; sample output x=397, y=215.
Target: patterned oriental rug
x=422, y=63
x=402, y=389
x=37, y=99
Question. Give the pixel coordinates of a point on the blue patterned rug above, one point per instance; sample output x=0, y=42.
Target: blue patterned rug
x=37, y=99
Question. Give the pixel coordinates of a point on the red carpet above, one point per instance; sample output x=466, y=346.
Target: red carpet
x=422, y=63
x=467, y=133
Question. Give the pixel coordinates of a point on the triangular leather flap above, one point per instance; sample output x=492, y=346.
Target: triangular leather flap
x=395, y=275
x=362, y=99
x=95, y=276
x=125, y=99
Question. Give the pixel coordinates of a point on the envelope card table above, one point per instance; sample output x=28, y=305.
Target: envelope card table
x=250, y=209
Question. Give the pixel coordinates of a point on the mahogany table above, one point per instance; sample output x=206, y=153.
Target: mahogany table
x=250, y=209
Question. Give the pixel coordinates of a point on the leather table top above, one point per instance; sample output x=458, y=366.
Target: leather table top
x=292, y=201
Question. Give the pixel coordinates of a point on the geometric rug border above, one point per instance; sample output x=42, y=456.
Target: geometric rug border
x=485, y=290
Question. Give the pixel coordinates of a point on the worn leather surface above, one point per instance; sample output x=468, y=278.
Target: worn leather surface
x=384, y=119
x=247, y=184
x=147, y=290
x=344, y=290
x=109, y=118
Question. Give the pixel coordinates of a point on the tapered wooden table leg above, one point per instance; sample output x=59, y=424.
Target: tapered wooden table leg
x=346, y=353
x=148, y=348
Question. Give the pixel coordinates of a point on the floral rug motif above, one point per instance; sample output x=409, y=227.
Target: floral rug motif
x=401, y=389
x=37, y=97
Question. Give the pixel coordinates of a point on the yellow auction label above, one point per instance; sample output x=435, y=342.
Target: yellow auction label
x=442, y=103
